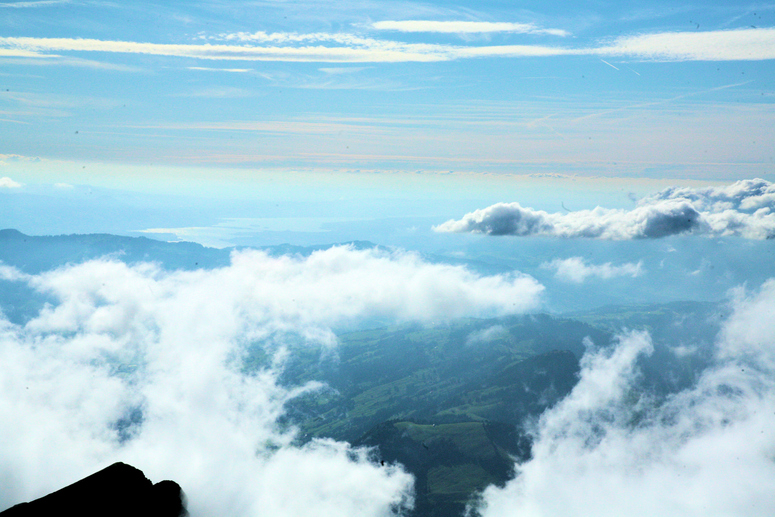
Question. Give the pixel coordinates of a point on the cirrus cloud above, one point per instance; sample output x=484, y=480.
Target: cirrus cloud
x=731, y=45
x=725, y=45
x=464, y=27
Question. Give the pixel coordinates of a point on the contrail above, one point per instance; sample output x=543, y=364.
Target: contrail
x=609, y=64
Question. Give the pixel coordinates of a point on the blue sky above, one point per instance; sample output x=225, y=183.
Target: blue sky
x=197, y=114
x=662, y=90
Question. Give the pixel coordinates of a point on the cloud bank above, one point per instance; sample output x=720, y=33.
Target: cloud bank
x=743, y=209
x=708, y=450
x=576, y=270
x=658, y=220
x=143, y=365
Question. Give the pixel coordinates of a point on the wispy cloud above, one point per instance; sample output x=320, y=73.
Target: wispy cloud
x=487, y=335
x=743, y=44
x=20, y=52
x=27, y=5
x=374, y=52
x=19, y=57
x=342, y=70
x=464, y=27
x=577, y=270
x=231, y=70
x=219, y=92
x=270, y=126
x=726, y=45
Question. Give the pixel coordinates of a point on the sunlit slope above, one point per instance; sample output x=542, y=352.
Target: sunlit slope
x=469, y=370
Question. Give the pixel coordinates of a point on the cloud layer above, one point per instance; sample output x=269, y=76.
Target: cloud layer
x=743, y=209
x=708, y=450
x=145, y=366
x=728, y=45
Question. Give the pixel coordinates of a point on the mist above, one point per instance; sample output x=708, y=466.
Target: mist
x=613, y=448
x=143, y=365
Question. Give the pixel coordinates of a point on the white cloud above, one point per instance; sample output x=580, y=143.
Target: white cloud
x=653, y=221
x=6, y=182
x=18, y=52
x=576, y=270
x=745, y=209
x=12, y=274
x=361, y=50
x=168, y=348
x=232, y=70
x=487, y=335
x=464, y=27
x=27, y=5
x=728, y=45
x=707, y=450
x=743, y=44
x=342, y=70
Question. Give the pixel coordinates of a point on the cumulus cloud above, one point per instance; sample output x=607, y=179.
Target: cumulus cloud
x=657, y=220
x=743, y=209
x=143, y=365
x=576, y=270
x=707, y=450
x=6, y=182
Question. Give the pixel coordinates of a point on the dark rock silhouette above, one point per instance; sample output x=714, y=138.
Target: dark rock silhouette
x=119, y=490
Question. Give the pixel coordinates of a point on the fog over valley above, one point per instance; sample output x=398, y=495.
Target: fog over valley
x=420, y=259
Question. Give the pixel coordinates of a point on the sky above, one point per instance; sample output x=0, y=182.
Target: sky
x=662, y=90
x=551, y=156
x=262, y=123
